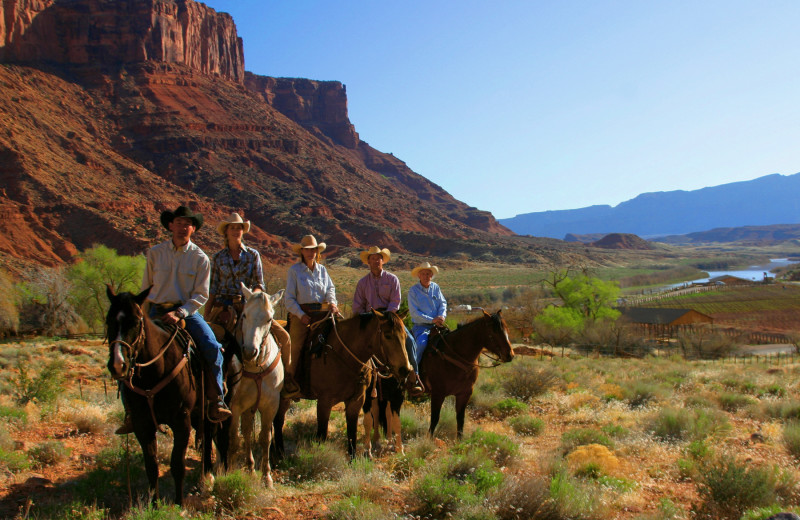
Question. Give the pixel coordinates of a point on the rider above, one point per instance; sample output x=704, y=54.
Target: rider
x=426, y=304
x=380, y=290
x=178, y=273
x=233, y=265
x=310, y=295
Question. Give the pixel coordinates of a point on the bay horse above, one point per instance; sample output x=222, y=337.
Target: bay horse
x=152, y=363
x=449, y=366
x=343, y=371
x=257, y=373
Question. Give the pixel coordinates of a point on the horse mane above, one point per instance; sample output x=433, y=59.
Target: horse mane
x=366, y=318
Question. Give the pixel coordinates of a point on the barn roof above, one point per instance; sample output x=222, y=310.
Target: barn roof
x=658, y=316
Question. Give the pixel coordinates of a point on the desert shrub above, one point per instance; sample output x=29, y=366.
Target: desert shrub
x=730, y=402
x=13, y=461
x=526, y=425
x=508, y=407
x=615, y=431
x=447, y=426
x=13, y=414
x=782, y=409
x=483, y=402
x=362, y=479
x=611, y=392
x=417, y=452
x=236, y=492
x=473, y=467
x=42, y=388
x=699, y=450
x=498, y=447
x=357, y=508
x=107, y=481
x=791, y=438
x=86, y=418
x=48, y=453
x=574, y=499
x=315, y=462
x=436, y=496
x=640, y=393
x=728, y=488
x=522, y=497
x=571, y=439
x=592, y=460
x=412, y=424
x=524, y=382
x=681, y=424
x=773, y=389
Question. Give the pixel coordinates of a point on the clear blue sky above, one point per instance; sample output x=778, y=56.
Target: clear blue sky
x=522, y=105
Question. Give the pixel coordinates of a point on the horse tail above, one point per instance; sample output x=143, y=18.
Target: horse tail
x=382, y=402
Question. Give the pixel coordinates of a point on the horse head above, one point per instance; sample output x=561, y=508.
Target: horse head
x=499, y=343
x=256, y=321
x=392, y=344
x=124, y=330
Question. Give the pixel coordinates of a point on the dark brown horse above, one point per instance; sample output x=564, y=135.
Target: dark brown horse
x=449, y=365
x=152, y=363
x=344, y=370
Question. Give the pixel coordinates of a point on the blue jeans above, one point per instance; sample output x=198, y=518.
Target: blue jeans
x=411, y=350
x=206, y=343
x=422, y=333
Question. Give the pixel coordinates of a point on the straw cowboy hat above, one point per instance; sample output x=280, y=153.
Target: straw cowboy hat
x=309, y=242
x=375, y=250
x=233, y=219
x=422, y=267
x=182, y=211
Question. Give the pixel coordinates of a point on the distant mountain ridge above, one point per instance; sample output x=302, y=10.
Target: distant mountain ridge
x=769, y=200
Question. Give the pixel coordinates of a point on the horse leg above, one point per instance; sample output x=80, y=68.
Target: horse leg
x=222, y=439
x=264, y=440
x=461, y=408
x=323, y=417
x=248, y=425
x=370, y=426
x=395, y=429
x=351, y=412
x=177, y=462
x=436, y=409
x=147, y=440
x=233, y=437
x=277, y=428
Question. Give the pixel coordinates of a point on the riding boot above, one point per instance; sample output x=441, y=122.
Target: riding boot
x=414, y=385
x=290, y=387
x=217, y=409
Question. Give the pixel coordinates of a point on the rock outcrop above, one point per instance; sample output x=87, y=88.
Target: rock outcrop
x=109, y=33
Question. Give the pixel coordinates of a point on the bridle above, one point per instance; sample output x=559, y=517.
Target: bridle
x=257, y=376
x=374, y=362
x=456, y=359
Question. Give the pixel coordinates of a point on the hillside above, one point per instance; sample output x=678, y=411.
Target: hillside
x=764, y=201
x=115, y=111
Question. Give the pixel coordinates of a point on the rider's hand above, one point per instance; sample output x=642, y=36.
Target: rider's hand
x=305, y=319
x=171, y=318
x=439, y=320
x=334, y=309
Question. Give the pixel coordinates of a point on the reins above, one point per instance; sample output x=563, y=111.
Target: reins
x=456, y=359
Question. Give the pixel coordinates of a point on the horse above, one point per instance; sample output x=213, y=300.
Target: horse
x=258, y=378
x=449, y=366
x=158, y=385
x=382, y=412
x=343, y=371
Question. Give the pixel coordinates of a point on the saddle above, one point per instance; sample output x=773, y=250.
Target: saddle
x=314, y=347
x=223, y=318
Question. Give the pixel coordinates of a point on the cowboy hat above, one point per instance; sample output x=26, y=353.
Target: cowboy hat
x=233, y=219
x=182, y=211
x=309, y=242
x=375, y=250
x=423, y=266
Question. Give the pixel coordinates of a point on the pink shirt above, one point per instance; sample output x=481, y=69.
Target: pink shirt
x=376, y=293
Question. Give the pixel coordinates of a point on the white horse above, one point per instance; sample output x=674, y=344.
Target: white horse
x=260, y=379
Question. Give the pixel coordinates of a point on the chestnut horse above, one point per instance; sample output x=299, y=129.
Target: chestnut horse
x=152, y=363
x=342, y=372
x=258, y=378
x=449, y=366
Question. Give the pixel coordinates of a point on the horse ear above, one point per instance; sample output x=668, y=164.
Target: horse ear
x=486, y=313
x=377, y=313
x=142, y=296
x=275, y=298
x=110, y=291
x=247, y=292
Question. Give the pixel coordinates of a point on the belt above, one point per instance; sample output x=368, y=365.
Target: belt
x=314, y=307
x=227, y=299
x=167, y=305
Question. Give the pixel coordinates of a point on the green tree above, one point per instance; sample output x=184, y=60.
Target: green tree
x=96, y=267
x=9, y=313
x=586, y=301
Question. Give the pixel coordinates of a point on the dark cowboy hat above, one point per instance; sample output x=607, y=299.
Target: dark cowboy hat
x=182, y=211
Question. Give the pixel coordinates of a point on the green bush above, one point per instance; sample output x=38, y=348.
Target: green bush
x=436, y=496
x=357, y=508
x=474, y=468
x=571, y=439
x=498, y=447
x=316, y=462
x=163, y=512
x=13, y=461
x=236, y=492
x=417, y=452
x=13, y=414
x=731, y=402
x=526, y=425
x=681, y=424
x=508, y=408
x=791, y=438
x=640, y=393
x=43, y=388
x=728, y=488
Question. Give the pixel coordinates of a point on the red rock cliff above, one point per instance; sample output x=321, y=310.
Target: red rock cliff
x=122, y=31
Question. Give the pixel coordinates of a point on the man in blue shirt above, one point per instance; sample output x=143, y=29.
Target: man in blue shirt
x=426, y=304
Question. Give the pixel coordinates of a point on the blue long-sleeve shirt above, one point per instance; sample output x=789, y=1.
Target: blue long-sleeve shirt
x=306, y=286
x=426, y=304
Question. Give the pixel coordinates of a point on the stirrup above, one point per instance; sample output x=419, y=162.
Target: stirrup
x=126, y=427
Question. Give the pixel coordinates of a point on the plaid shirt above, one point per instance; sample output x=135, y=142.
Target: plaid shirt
x=226, y=275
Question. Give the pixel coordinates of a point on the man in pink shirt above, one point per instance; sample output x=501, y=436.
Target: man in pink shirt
x=380, y=290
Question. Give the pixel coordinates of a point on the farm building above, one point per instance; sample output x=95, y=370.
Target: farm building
x=661, y=322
